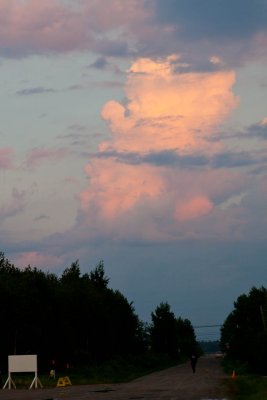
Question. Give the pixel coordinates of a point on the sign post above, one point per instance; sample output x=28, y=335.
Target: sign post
x=27, y=363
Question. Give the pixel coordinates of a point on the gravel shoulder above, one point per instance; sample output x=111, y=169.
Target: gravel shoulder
x=176, y=383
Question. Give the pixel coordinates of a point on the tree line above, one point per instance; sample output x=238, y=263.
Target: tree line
x=244, y=332
x=77, y=318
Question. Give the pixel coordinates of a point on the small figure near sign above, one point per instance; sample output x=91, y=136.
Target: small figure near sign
x=52, y=374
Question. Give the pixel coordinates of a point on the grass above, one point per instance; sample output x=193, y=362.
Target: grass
x=113, y=371
x=248, y=387
x=245, y=386
x=119, y=370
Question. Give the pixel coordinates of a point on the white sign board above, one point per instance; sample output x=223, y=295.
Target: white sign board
x=25, y=363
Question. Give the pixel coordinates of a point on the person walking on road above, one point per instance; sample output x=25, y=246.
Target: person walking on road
x=193, y=361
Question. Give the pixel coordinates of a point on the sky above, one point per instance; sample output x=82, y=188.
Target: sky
x=135, y=132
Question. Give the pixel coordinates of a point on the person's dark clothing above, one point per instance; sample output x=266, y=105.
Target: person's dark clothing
x=193, y=360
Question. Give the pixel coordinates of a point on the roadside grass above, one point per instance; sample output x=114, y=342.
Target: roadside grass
x=245, y=386
x=248, y=387
x=112, y=371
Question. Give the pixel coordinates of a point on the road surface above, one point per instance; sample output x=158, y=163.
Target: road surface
x=176, y=383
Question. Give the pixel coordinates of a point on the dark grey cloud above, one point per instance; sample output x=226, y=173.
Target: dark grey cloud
x=77, y=137
x=233, y=160
x=34, y=90
x=100, y=63
x=258, y=130
x=14, y=206
x=112, y=48
x=199, y=29
x=213, y=18
x=254, y=131
x=76, y=87
x=41, y=217
x=80, y=137
x=172, y=159
x=76, y=128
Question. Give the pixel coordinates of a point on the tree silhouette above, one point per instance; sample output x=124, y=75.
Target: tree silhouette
x=169, y=334
x=243, y=334
x=76, y=318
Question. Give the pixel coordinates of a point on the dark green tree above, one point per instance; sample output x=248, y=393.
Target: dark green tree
x=98, y=322
x=171, y=335
x=244, y=333
x=98, y=277
x=72, y=274
x=187, y=338
x=163, y=331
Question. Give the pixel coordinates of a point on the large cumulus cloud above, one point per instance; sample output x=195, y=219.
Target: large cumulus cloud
x=165, y=111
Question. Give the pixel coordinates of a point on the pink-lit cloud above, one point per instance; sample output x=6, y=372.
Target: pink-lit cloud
x=50, y=25
x=165, y=111
x=34, y=258
x=117, y=13
x=194, y=208
x=39, y=155
x=118, y=188
x=32, y=26
x=6, y=158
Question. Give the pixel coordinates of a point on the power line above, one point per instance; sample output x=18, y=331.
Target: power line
x=206, y=326
x=208, y=332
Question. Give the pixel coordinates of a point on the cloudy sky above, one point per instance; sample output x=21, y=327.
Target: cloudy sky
x=135, y=132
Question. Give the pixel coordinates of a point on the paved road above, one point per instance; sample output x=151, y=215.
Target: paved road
x=176, y=383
